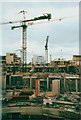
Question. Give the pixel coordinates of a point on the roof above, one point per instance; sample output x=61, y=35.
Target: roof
x=77, y=56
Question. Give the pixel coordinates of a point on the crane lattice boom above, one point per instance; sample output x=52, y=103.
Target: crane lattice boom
x=24, y=27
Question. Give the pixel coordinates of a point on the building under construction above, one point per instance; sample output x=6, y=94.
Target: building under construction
x=66, y=72
x=43, y=78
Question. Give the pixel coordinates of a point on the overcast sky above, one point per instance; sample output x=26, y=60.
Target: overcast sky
x=63, y=35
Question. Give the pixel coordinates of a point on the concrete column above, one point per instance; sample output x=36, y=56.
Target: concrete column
x=47, y=83
x=56, y=87
x=37, y=87
x=10, y=80
x=76, y=86
x=5, y=81
x=30, y=82
x=1, y=80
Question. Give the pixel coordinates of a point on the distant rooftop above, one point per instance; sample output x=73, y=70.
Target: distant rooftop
x=2, y=57
x=76, y=55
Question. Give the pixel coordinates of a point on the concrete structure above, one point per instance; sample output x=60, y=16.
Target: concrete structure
x=3, y=59
x=3, y=80
x=76, y=59
x=47, y=84
x=61, y=62
x=56, y=87
x=3, y=63
x=12, y=62
x=37, y=87
x=12, y=58
x=38, y=60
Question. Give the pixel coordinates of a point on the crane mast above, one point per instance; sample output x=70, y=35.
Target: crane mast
x=24, y=45
x=46, y=50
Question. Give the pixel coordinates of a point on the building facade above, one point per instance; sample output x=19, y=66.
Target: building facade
x=38, y=60
x=12, y=58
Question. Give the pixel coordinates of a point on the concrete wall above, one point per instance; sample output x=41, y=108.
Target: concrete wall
x=56, y=87
x=9, y=58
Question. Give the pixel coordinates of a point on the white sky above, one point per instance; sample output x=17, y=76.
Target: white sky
x=62, y=34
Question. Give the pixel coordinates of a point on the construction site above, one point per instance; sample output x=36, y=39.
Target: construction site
x=43, y=88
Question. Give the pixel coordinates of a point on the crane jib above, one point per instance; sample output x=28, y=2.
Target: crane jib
x=48, y=16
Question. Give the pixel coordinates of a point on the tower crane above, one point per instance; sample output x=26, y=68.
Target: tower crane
x=46, y=50
x=24, y=28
